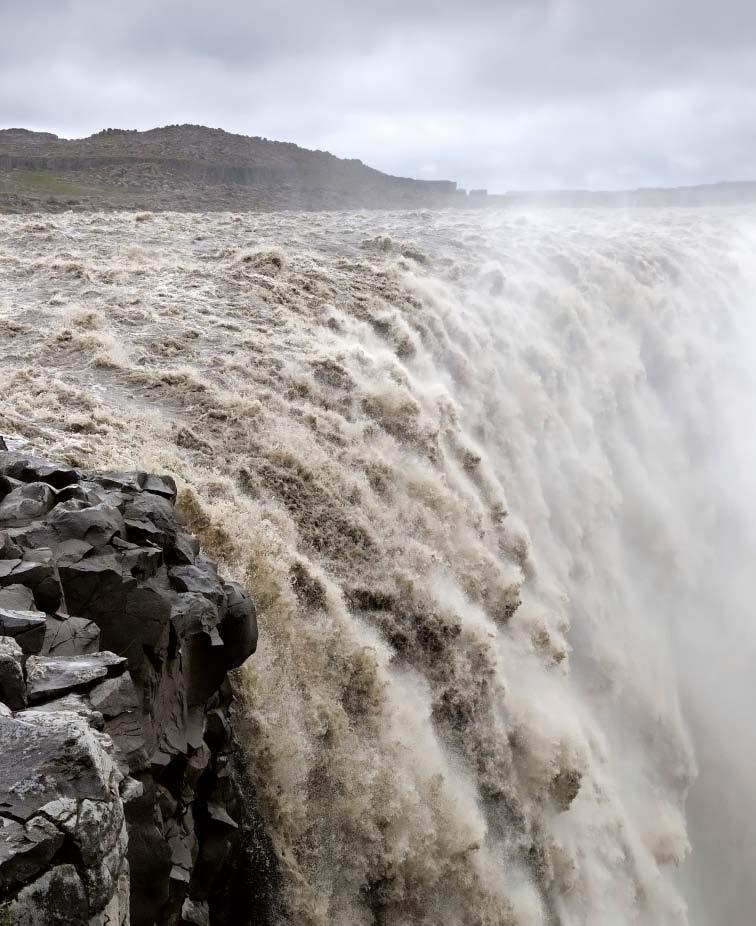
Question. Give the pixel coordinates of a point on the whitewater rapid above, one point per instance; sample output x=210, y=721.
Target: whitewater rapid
x=489, y=477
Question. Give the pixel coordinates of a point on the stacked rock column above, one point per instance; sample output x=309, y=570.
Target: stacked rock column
x=116, y=636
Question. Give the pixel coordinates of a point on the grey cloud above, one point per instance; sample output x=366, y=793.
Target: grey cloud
x=512, y=94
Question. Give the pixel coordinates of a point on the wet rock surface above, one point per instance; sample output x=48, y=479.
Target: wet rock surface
x=117, y=795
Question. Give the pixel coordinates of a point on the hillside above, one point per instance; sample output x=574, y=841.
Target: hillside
x=188, y=167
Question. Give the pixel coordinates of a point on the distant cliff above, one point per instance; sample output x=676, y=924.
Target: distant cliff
x=192, y=168
x=187, y=167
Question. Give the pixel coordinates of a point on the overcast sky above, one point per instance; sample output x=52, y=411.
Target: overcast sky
x=514, y=94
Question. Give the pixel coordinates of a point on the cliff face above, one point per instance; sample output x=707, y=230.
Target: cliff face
x=192, y=167
x=116, y=751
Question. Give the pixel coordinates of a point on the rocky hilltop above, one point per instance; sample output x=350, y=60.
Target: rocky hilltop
x=191, y=167
x=120, y=798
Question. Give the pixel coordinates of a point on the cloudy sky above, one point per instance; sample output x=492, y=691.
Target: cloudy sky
x=506, y=94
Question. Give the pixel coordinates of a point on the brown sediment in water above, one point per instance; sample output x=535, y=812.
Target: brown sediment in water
x=408, y=719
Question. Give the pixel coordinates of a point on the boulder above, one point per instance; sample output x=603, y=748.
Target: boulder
x=193, y=613
x=161, y=485
x=95, y=525
x=9, y=549
x=200, y=580
x=141, y=531
x=183, y=550
x=153, y=508
x=60, y=801
x=25, y=468
x=7, y=485
x=75, y=703
x=26, y=503
x=239, y=627
x=127, y=483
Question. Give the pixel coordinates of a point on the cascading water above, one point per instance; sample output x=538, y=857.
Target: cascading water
x=489, y=478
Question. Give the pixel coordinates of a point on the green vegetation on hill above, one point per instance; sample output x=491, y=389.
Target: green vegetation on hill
x=47, y=182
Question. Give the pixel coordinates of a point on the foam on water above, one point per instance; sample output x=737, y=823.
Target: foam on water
x=490, y=480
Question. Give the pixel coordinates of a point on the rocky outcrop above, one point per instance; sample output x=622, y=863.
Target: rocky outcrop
x=117, y=800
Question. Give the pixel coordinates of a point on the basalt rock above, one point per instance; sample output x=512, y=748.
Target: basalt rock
x=26, y=627
x=117, y=803
x=12, y=683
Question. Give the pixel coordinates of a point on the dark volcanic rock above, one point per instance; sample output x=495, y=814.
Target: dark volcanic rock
x=26, y=627
x=70, y=636
x=27, y=469
x=12, y=683
x=26, y=849
x=47, y=757
x=116, y=636
x=96, y=525
x=130, y=614
x=239, y=627
x=39, y=578
x=26, y=503
x=201, y=580
x=9, y=549
x=49, y=676
x=17, y=598
x=115, y=696
x=58, y=898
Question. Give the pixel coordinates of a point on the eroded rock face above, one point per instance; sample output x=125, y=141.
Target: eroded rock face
x=116, y=635
x=63, y=838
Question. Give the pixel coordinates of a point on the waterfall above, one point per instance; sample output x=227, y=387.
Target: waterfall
x=489, y=477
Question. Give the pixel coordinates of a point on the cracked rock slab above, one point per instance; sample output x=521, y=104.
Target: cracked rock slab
x=70, y=636
x=51, y=676
x=128, y=612
x=45, y=757
x=74, y=703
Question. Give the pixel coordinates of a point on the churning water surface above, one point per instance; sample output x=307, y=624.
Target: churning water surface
x=490, y=478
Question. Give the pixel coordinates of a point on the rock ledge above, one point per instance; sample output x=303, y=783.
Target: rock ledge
x=116, y=636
